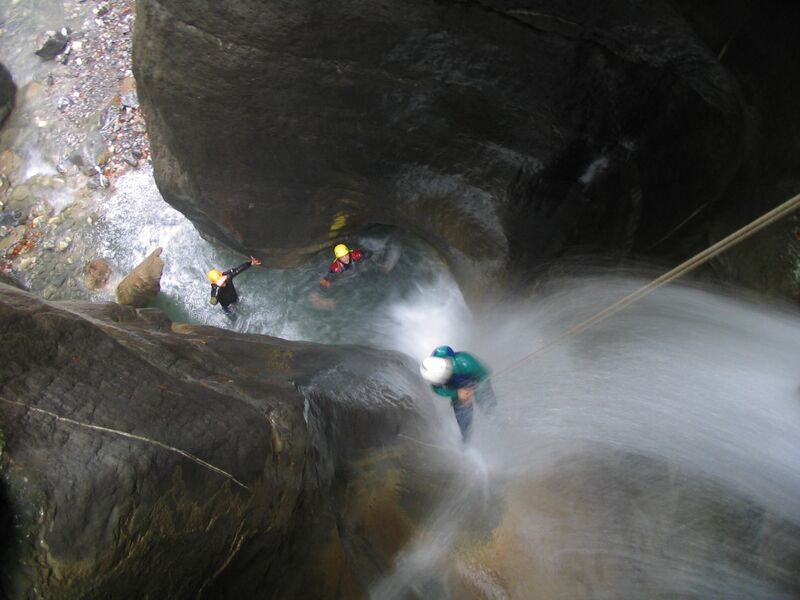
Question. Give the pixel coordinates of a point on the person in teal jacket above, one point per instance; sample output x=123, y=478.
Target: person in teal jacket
x=462, y=378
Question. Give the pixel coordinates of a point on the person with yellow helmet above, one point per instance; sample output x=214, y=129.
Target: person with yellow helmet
x=223, y=291
x=345, y=258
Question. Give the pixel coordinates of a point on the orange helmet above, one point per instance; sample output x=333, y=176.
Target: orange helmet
x=214, y=276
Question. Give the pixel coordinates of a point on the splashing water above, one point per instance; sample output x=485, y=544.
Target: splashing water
x=655, y=455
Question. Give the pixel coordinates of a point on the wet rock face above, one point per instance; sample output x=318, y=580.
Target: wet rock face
x=8, y=93
x=502, y=132
x=140, y=459
x=747, y=37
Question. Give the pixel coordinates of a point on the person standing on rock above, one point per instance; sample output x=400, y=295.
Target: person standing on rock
x=462, y=378
x=222, y=288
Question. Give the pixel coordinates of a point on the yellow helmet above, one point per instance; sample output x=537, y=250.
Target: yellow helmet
x=214, y=275
x=341, y=250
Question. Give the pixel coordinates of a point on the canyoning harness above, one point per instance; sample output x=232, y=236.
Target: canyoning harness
x=226, y=295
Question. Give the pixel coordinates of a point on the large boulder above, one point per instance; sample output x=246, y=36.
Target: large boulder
x=140, y=459
x=142, y=284
x=503, y=132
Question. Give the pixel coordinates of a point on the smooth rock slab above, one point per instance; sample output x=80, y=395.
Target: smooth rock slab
x=139, y=459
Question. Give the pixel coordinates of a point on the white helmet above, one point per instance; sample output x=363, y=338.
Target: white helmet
x=436, y=370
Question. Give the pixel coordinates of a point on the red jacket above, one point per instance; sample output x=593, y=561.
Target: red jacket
x=338, y=266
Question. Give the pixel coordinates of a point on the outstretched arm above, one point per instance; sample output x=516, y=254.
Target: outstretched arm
x=231, y=273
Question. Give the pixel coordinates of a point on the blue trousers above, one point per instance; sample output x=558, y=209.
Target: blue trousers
x=463, y=414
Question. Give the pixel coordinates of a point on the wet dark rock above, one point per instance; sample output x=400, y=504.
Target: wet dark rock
x=758, y=44
x=52, y=43
x=8, y=93
x=481, y=126
x=142, y=284
x=143, y=459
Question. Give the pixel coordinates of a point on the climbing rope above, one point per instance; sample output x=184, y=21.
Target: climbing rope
x=737, y=236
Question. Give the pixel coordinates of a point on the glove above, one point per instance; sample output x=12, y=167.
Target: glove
x=214, y=300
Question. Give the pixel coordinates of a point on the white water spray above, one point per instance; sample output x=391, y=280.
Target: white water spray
x=656, y=454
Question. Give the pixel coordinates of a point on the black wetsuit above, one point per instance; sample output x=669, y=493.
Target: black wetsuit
x=226, y=295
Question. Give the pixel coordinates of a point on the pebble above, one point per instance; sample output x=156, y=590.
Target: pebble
x=26, y=263
x=97, y=182
x=63, y=244
x=20, y=192
x=51, y=44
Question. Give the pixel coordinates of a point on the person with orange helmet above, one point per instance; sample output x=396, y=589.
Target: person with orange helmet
x=223, y=291
x=345, y=258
